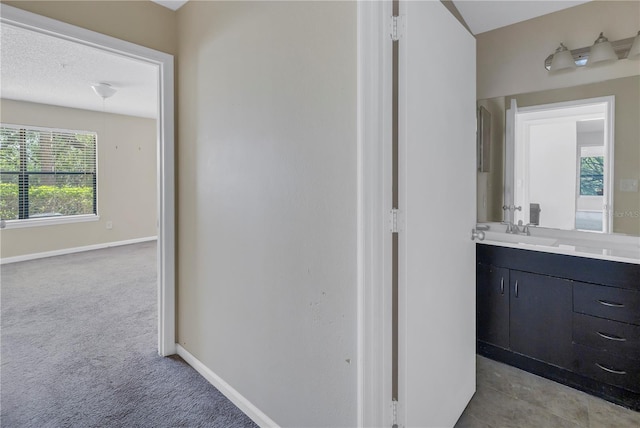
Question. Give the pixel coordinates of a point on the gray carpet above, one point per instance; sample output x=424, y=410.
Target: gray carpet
x=78, y=348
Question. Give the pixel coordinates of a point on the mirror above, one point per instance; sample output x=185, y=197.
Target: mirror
x=561, y=164
x=596, y=184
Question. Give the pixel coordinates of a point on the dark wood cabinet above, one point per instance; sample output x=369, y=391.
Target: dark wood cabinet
x=605, y=334
x=611, y=369
x=570, y=319
x=515, y=310
x=492, y=304
x=607, y=302
x=540, y=322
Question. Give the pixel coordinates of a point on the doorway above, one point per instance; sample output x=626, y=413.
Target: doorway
x=165, y=146
x=563, y=161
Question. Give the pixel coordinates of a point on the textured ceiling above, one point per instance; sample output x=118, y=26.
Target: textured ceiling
x=48, y=70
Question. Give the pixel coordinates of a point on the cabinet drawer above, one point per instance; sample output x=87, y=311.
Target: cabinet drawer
x=605, y=367
x=612, y=336
x=607, y=302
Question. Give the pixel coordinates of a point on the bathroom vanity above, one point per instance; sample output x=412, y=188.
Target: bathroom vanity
x=568, y=317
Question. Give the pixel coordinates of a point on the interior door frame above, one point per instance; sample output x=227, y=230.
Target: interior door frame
x=374, y=151
x=165, y=146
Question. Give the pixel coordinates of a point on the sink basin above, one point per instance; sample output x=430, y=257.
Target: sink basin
x=594, y=245
x=520, y=239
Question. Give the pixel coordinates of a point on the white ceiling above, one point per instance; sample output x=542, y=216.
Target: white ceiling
x=171, y=4
x=480, y=15
x=48, y=70
x=483, y=15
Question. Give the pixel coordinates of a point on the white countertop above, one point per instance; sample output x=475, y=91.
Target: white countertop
x=619, y=248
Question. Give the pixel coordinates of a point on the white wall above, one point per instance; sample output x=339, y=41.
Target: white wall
x=552, y=169
x=511, y=59
x=267, y=203
x=594, y=138
x=126, y=179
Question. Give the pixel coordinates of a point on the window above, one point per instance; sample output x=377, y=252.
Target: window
x=591, y=175
x=46, y=173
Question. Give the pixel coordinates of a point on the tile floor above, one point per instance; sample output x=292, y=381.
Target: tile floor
x=509, y=397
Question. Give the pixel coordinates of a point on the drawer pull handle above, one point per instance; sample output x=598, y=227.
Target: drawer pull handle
x=611, y=337
x=516, y=288
x=611, y=304
x=502, y=285
x=607, y=369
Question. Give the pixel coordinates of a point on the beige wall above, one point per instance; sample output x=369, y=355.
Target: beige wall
x=126, y=179
x=510, y=60
x=138, y=21
x=490, y=183
x=267, y=202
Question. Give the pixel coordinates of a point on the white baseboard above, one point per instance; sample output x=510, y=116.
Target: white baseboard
x=227, y=390
x=6, y=260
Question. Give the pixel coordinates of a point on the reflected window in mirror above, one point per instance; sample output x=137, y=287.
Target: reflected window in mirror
x=590, y=199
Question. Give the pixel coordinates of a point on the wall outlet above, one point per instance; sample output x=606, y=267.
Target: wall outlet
x=109, y=225
x=628, y=185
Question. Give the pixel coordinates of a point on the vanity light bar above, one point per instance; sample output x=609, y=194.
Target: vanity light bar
x=581, y=55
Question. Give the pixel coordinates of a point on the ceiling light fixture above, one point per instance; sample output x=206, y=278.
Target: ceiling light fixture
x=103, y=90
x=599, y=53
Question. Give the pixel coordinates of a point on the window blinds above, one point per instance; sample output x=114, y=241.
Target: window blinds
x=46, y=172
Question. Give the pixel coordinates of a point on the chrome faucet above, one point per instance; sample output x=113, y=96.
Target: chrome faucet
x=519, y=228
x=511, y=228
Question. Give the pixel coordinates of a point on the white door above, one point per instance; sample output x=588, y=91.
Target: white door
x=437, y=185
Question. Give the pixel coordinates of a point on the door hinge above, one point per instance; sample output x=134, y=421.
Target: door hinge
x=394, y=222
x=395, y=28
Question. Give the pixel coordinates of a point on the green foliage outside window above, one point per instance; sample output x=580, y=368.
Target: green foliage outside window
x=46, y=200
x=592, y=176
x=46, y=173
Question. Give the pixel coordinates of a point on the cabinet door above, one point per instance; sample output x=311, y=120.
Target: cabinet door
x=541, y=317
x=492, y=307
